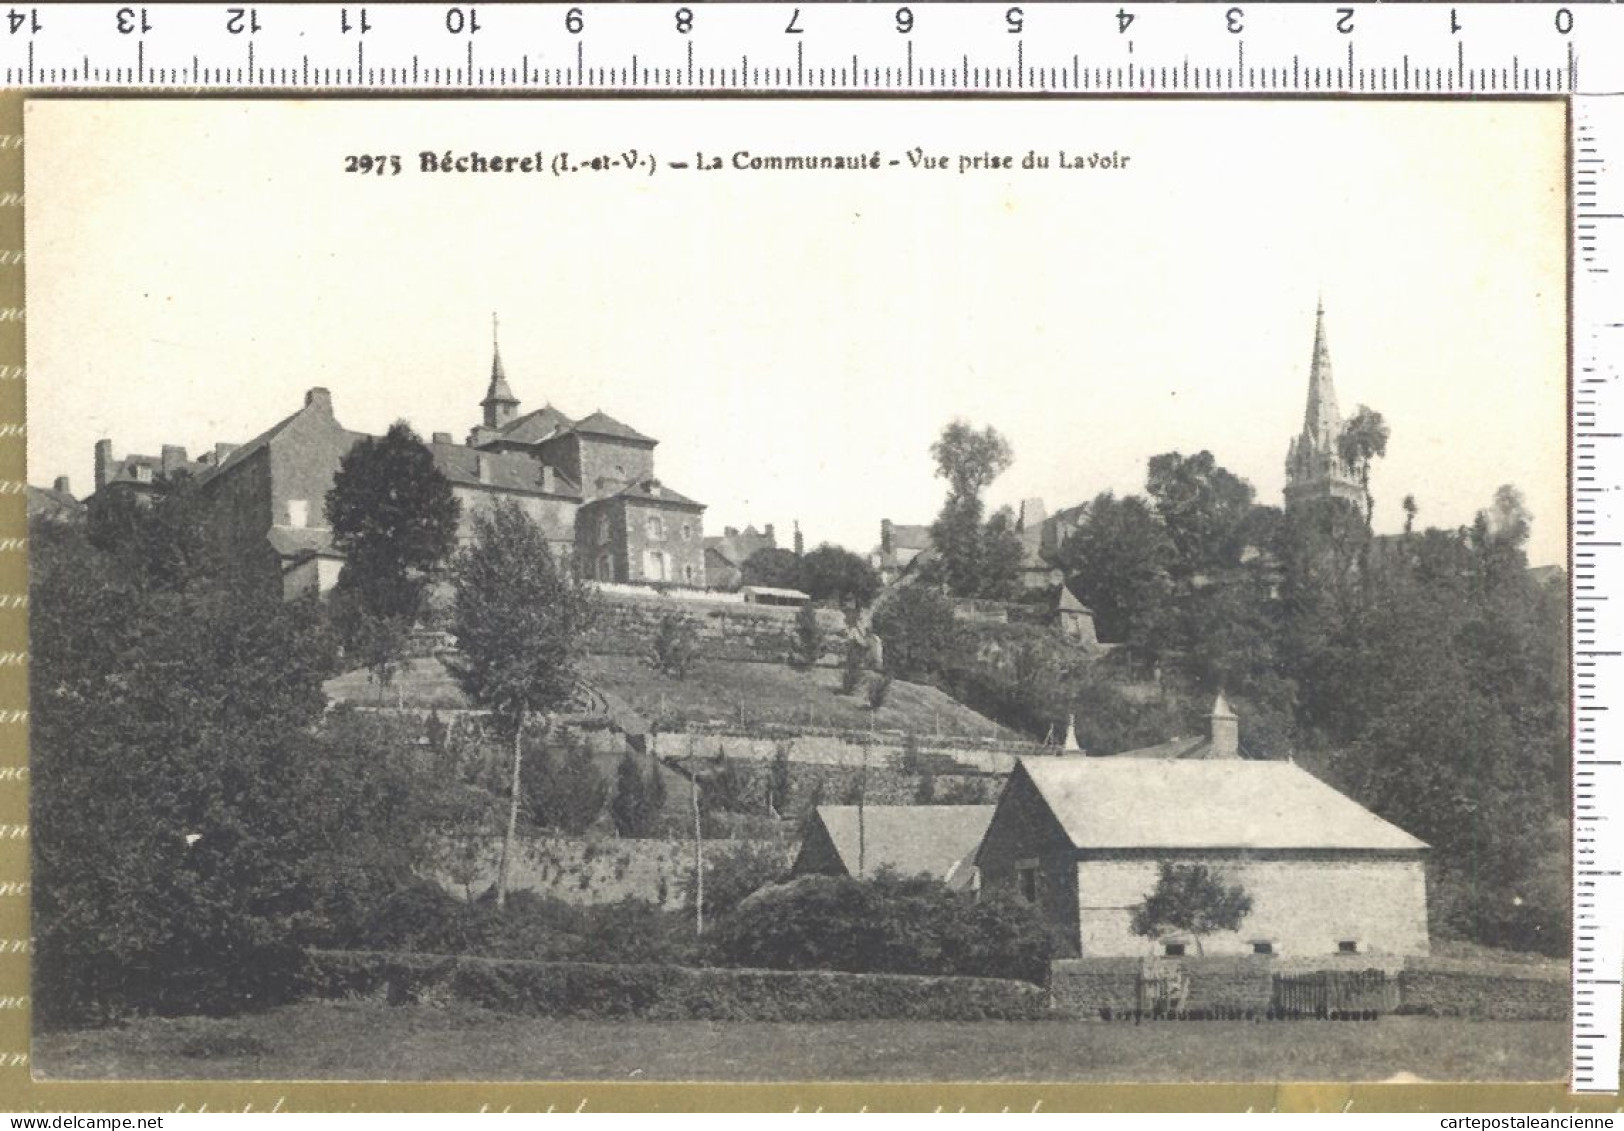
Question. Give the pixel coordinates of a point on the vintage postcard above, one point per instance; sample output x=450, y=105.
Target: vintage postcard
x=752, y=590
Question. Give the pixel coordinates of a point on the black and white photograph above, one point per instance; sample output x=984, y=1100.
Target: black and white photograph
x=768, y=591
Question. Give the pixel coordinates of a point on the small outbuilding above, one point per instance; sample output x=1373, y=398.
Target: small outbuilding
x=1084, y=838
x=860, y=840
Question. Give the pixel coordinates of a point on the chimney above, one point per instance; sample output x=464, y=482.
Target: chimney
x=767, y=532
x=730, y=531
x=104, y=462
x=320, y=399
x=172, y=459
x=222, y=452
x=62, y=486
x=1226, y=734
x=885, y=536
x=800, y=543
x=1033, y=514
x=443, y=438
x=482, y=465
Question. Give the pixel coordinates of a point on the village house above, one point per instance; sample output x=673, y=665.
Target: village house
x=1083, y=837
x=589, y=483
x=860, y=840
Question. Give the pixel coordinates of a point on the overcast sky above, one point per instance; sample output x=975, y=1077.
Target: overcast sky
x=796, y=340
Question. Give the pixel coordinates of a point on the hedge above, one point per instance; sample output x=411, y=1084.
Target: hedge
x=665, y=992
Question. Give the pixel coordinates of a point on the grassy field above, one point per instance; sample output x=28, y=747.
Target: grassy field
x=368, y=1040
x=716, y=690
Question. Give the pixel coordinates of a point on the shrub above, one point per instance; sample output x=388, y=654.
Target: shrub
x=885, y=925
x=851, y=672
x=736, y=871
x=807, y=647
x=676, y=645
x=879, y=690
x=562, y=788
x=666, y=992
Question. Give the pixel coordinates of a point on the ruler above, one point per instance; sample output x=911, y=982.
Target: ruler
x=1571, y=51
x=1032, y=47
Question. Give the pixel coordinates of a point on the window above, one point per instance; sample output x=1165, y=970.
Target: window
x=688, y=572
x=1263, y=948
x=655, y=566
x=1347, y=946
x=143, y=473
x=656, y=528
x=298, y=512
x=1173, y=949
x=603, y=528
x=687, y=532
x=606, y=568
x=1026, y=880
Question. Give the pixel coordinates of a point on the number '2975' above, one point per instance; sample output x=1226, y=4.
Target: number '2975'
x=383, y=164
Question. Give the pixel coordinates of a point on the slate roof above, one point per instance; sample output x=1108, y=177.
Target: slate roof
x=736, y=548
x=534, y=427
x=51, y=503
x=296, y=541
x=643, y=493
x=1172, y=748
x=910, y=537
x=514, y=471
x=602, y=424
x=252, y=446
x=940, y=840
x=1105, y=803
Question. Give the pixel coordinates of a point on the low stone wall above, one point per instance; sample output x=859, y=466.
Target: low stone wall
x=727, y=630
x=940, y=757
x=1505, y=992
x=1082, y=987
x=1085, y=987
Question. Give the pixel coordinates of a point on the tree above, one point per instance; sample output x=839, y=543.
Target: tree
x=1191, y=898
x=1363, y=441
x=564, y=790
x=676, y=645
x=196, y=817
x=807, y=645
x=1204, y=508
x=639, y=798
x=1116, y=561
x=969, y=559
x=518, y=623
x=918, y=630
x=970, y=460
x=394, y=518
x=832, y=574
x=772, y=569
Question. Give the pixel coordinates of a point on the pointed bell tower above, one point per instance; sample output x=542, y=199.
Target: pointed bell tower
x=1314, y=467
x=500, y=405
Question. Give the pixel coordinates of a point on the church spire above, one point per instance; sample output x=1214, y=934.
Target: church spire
x=500, y=405
x=1314, y=466
x=1322, y=422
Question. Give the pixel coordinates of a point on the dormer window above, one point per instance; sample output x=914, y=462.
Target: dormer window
x=1263, y=947
x=142, y=473
x=1347, y=946
x=1173, y=949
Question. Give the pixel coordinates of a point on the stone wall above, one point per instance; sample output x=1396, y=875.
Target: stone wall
x=1085, y=987
x=939, y=756
x=1302, y=906
x=727, y=630
x=1504, y=992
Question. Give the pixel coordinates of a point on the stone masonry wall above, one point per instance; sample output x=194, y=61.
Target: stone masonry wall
x=1304, y=907
x=726, y=630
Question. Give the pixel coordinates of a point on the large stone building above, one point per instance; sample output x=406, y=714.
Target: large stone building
x=1084, y=837
x=1315, y=468
x=588, y=483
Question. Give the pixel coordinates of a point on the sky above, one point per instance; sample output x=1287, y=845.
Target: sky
x=796, y=340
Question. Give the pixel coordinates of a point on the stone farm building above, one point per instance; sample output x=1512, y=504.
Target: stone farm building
x=590, y=483
x=910, y=840
x=1083, y=838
